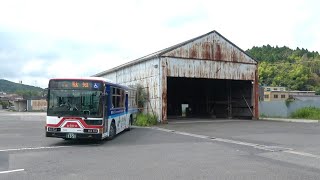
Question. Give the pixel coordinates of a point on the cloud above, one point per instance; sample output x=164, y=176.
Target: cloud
x=43, y=39
x=34, y=57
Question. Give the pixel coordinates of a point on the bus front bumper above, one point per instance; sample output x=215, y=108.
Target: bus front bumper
x=78, y=135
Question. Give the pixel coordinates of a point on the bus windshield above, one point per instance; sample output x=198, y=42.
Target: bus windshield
x=68, y=102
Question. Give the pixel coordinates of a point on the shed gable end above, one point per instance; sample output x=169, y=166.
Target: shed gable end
x=212, y=46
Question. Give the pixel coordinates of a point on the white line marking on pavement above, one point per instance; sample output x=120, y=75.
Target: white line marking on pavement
x=257, y=146
x=33, y=148
x=5, y=172
x=189, y=134
x=303, y=154
x=27, y=114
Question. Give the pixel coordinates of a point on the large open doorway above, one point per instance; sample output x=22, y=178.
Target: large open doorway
x=209, y=98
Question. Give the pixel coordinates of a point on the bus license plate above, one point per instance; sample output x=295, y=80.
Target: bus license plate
x=71, y=136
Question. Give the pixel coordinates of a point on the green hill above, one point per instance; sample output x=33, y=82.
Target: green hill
x=21, y=89
x=296, y=69
x=275, y=54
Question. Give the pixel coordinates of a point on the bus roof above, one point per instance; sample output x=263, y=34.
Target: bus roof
x=85, y=78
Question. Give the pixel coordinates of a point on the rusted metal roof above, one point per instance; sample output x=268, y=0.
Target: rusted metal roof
x=202, y=48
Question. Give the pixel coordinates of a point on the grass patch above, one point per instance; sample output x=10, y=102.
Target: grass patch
x=263, y=116
x=307, y=113
x=266, y=116
x=146, y=120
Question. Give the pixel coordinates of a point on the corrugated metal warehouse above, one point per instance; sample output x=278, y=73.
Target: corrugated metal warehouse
x=207, y=76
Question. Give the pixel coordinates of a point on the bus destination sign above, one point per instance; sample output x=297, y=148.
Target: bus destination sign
x=75, y=84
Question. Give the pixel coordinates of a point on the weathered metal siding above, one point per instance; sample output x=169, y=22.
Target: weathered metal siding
x=211, y=47
x=147, y=74
x=190, y=68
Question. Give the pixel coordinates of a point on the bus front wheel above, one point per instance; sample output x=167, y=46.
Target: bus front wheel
x=112, y=132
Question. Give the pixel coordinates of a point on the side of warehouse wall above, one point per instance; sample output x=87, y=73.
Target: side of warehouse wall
x=145, y=73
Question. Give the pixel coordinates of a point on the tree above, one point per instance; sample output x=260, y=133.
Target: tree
x=5, y=104
x=141, y=96
x=28, y=93
x=297, y=69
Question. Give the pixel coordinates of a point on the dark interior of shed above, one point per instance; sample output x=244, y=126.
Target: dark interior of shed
x=209, y=98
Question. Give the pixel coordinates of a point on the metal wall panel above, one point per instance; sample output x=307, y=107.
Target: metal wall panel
x=176, y=67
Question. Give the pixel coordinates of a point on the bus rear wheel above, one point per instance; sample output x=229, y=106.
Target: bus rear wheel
x=130, y=123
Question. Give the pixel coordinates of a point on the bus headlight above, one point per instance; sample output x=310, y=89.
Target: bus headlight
x=90, y=130
x=54, y=129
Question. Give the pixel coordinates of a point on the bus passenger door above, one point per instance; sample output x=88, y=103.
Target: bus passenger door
x=105, y=109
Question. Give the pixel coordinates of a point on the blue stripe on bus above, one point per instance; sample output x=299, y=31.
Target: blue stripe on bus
x=123, y=113
x=116, y=115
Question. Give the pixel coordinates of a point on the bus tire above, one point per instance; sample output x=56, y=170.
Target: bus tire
x=131, y=120
x=113, y=131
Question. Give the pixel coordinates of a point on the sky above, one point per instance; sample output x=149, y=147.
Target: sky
x=43, y=39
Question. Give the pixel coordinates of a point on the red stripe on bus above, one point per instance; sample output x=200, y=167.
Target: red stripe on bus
x=73, y=119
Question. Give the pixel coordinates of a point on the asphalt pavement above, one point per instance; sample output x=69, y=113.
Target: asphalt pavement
x=298, y=136
x=172, y=151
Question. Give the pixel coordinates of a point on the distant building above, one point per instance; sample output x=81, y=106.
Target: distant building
x=276, y=95
x=271, y=88
x=10, y=97
x=281, y=94
x=20, y=105
x=35, y=104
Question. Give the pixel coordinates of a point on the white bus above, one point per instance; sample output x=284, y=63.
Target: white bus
x=89, y=108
